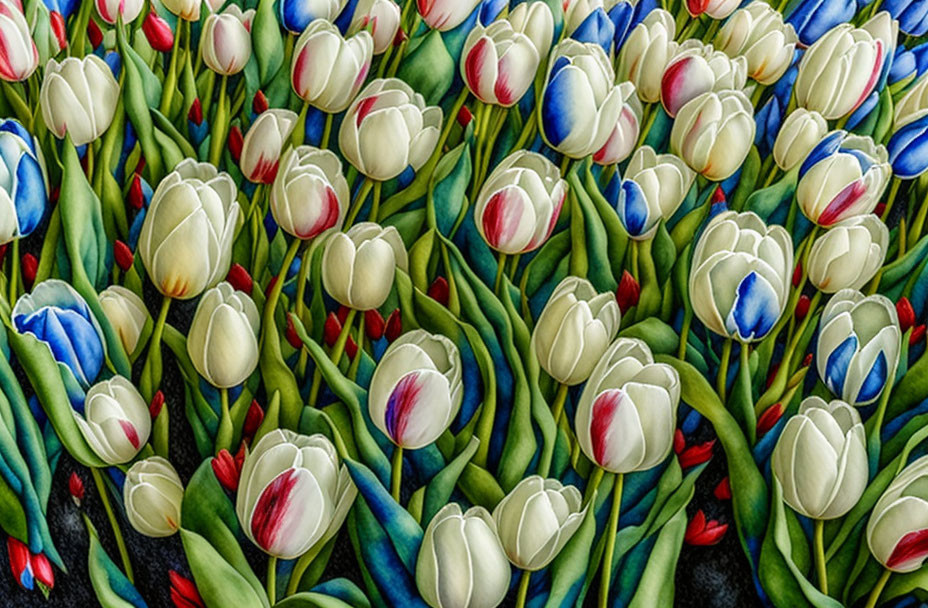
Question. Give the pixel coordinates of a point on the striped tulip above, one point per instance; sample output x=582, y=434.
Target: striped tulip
x=263, y=144
x=226, y=40
x=115, y=421
x=328, y=70
x=717, y=9
x=310, y=194
x=697, y=68
x=624, y=135
x=897, y=532
x=152, y=494
x=444, y=15
x=498, y=63
x=20, y=56
x=382, y=17
x=653, y=189
x=646, y=52
x=111, y=10
x=757, y=33
x=713, y=133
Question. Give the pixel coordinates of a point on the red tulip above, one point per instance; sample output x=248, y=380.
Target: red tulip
x=290, y=333
x=918, y=333
x=797, y=274
x=351, y=348
x=136, y=197
x=94, y=33
x=20, y=563
x=769, y=418
x=906, y=314
x=439, y=291
x=464, y=116
x=679, y=442
x=158, y=32
x=184, y=592
x=394, y=326
x=723, y=490
x=236, y=141
x=123, y=255
x=195, y=113
x=239, y=278
x=76, y=488
x=628, y=292
x=58, y=29
x=42, y=570
x=157, y=403
x=331, y=330
x=802, y=307
x=30, y=268
x=253, y=419
x=373, y=324
x=696, y=454
x=700, y=532
x=226, y=470
x=259, y=103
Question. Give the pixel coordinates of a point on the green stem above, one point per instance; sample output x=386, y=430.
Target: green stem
x=396, y=477
x=820, y=556
x=593, y=485
x=523, y=589
x=326, y=131
x=224, y=433
x=170, y=80
x=220, y=124
x=891, y=197
x=356, y=362
x=299, y=132
x=363, y=191
x=272, y=579
x=14, y=272
x=299, y=569
x=611, y=530
x=721, y=381
x=685, y=333
x=114, y=523
x=878, y=588
x=653, y=112
x=500, y=270
x=300, y=305
x=375, y=203
x=557, y=408
x=151, y=373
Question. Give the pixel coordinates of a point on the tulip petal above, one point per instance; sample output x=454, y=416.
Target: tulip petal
x=838, y=363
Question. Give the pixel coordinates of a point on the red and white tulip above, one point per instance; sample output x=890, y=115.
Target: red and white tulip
x=328, y=70
x=698, y=68
x=624, y=135
x=263, y=144
x=115, y=422
x=444, y=15
x=111, y=10
x=498, y=64
x=381, y=17
x=310, y=194
x=20, y=56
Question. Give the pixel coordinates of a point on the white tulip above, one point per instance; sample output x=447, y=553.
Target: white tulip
x=757, y=33
x=358, y=266
x=849, y=254
x=20, y=56
x=126, y=313
x=645, y=54
x=153, y=494
x=226, y=40
x=223, y=337
x=714, y=132
x=78, y=98
x=800, y=132
x=263, y=144
x=328, y=70
x=382, y=16
x=535, y=20
x=913, y=104
x=115, y=420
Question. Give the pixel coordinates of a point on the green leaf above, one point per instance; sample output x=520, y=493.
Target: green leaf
x=429, y=68
x=110, y=585
x=220, y=585
x=266, y=40
x=653, y=588
x=438, y=492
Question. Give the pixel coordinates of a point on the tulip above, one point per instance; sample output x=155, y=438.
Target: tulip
x=702, y=533
x=444, y=15
x=358, y=265
x=223, y=337
x=628, y=292
x=115, y=421
x=535, y=20
x=739, y=279
x=184, y=593
x=416, y=389
x=624, y=135
x=261, y=148
x=59, y=317
x=578, y=11
x=597, y=29
x=858, y=345
x=76, y=488
x=843, y=176
x=126, y=313
x=912, y=105
x=849, y=254
x=627, y=412
x=757, y=33
x=907, y=149
x=536, y=519
x=23, y=191
x=226, y=40
x=519, y=203
x=158, y=32
x=292, y=493
x=698, y=68
x=328, y=70
x=21, y=564
x=152, y=494
x=801, y=131
x=310, y=194
x=695, y=455
x=389, y=128
x=20, y=56
x=188, y=10
x=580, y=104
x=646, y=52
x=813, y=18
x=713, y=133
x=839, y=71
x=239, y=278
x=898, y=524
x=717, y=9
x=296, y=15
x=653, y=189
x=821, y=459
x=186, y=238
x=110, y=10
x=461, y=561
x=78, y=98
x=381, y=17
x=574, y=330
x=498, y=63
x=42, y=571
x=911, y=15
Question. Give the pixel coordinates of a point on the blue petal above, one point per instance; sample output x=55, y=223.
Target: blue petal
x=825, y=148
x=861, y=113
x=837, y=364
x=813, y=18
x=755, y=310
x=903, y=64
x=908, y=149
x=490, y=10
x=875, y=380
x=295, y=15
x=73, y=340
x=621, y=16
x=632, y=207
x=557, y=105
x=596, y=28
x=29, y=195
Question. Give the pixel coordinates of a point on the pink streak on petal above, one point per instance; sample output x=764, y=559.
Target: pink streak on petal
x=604, y=411
x=842, y=202
x=131, y=434
x=400, y=405
x=874, y=74
x=910, y=550
x=365, y=108
x=271, y=509
x=501, y=217
x=327, y=217
x=473, y=64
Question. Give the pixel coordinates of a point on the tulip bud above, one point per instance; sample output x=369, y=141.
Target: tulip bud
x=612, y=428
x=698, y=68
x=136, y=197
x=23, y=197
x=186, y=238
x=259, y=102
x=239, y=278
x=158, y=32
x=110, y=10
x=94, y=34
x=293, y=338
x=461, y=561
x=645, y=54
x=126, y=313
x=739, y=277
x=917, y=335
x=858, y=345
x=261, y=148
x=713, y=133
x=389, y=128
x=416, y=389
x=327, y=70
x=59, y=31
x=30, y=266
x=293, y=493
x=331, y=330
x=223, y=337
x=76, y=488
x=115, y=421
x=624, y=135
x=439, y=291
x=702, y=533
x=757, y=33
x=226, y=40
x=20, y=56
x=848, y=255
x=653, y=189
x=156, y=405
x=296, y=15
x=695, y=455
x=574, y=330
x=906, y=314
x=188, y=10
x=769, y=418
x=358, y=265
x=802, y=307
x=394, y=327
x=310, y=194
x=152, y=494
x=536, y=519
x=382, y=17
x=78, y=98
x=21, y=564
x=253, y=419
x=373, y=324
x=679, y=442
x=905, y=149
x=225, y=469
x=235, y=143
x=42, y=571
x=184, y=593
x=444, y=15
x=801, y=132
x=628, y=292
x=123, y=255
x=498, y=63
x=723, y=490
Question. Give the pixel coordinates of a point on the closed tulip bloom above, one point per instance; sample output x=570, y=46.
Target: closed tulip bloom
x=126, y=313
x=698, y=68
x=416, y=389
x=310, y=194
x=328, y=70
x=20, y=56
x=78, y=98
x=296, y=15
x=115, y=421
x=628, y=409
x=580, y=104
x=153, y=494
x=188, y=10
x=574, y=330
x=263, y=144
x=898, y=524
x=382, y=17
x=444, y=15
x=292, y=493
x=843, y=176
x=389, y=128
x=498, y=64
x=223, y=338
x=653, y=189
x=858, y=345
x=186, y=237
x=757, y=33
x=519, y=203
x=23, y=191
x=717, y=9
x=821, y=459
x=226, y=40
x=911, y=15
x=801, y=131
x=536, y=519
x=646, y=52
x=838, y=72
x=110, y=10
x=461, y=562
x=849, y=254
x=624, y=136
x=535, y=20
x=907, y=153
x=358, y=265
x=912, y=105
x=713, y=133
x=740, y=277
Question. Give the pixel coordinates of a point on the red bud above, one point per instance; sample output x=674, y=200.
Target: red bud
x=76, y=488
x=723, y=490
x=797, y=274
x=30, y=267
x=906, y=314
x=807, y=361
x=239, y=278
x=226, y=472
x=140, y=166
x=373, y=324
x=438, y=290
x=802, y=307
x=679, y=442
x=94, y=33
x=157, y=402
x=343, y=314
x=58, y=29
x=772, y=374
x=400, y=37
x=184, y=592
x=703, y=533
x=158, y=32
x=3, y=249
x=879, y=209
x=291, y=334
x=718, y=196
x=240, y=456
x=696, y=455
x=918, y=333
x=769, y=418
x=259, y=103
x=253, y=419
x=123, y=255
x=331, y=329
x=42, y=570
x=351, y=348
x=628, y=292
x=195, y=113
x=136, y=196
x=236, y=141
x=394, y=326
x=20, y=563
x=464, y=116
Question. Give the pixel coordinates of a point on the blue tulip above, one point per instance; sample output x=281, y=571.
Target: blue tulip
x=903, y=65
x=812, y=18
x=23, y=194
x=908, y=149
x=58, y=316
x=596, y=28
x=912, y=15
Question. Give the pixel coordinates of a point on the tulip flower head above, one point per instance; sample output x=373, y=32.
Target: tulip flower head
x=115, y=421
x=739, y=278
x=800, y=133
x=296, y=15
x=519, y=203
x=624, y=135
x=907, y=149
x=381, y=17
x=444, y=15
x=646, y=52
x=498, y=63
x=226, y=40
x=535, y=20
x=757, y=33
x=358, y=266
x=849, y=254
x=310, y=194
x=653, y=189
x=188, y=10
x=898, y=524
x=153, y=494
x=126, y=313
x=78, y=98
x=328, y=70
x=264, y=143
x=698, y=68
x=713, y=133
x=858, y=346
x=717, y=9
x=111, y=10
x=20, y=56
x=23, y=191
x=292, y=493
x=223, y=338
